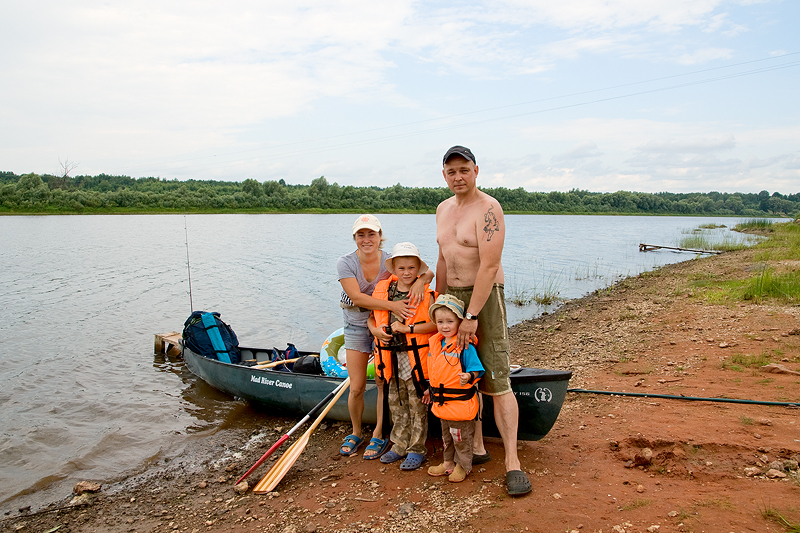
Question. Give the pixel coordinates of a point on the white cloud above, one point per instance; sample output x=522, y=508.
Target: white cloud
x=581, y=151
x=126, y=87
x=692, y=146
x=704, y=55
x=662, y=15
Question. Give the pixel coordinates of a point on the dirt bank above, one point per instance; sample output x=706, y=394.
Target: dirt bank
x=611, y=464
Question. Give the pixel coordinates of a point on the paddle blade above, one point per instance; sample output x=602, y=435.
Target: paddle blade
x=264, y=457
x=282, y=466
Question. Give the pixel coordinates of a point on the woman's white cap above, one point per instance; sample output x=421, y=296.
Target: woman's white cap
x=405, y=249
x=368, y=222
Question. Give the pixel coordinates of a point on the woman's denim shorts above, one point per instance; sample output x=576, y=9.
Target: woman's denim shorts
x=357, y=338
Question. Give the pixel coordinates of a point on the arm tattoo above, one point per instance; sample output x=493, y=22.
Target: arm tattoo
x=491, y=224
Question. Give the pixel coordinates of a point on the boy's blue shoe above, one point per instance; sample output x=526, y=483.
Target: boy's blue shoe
x=391, y=457
x=413, y=461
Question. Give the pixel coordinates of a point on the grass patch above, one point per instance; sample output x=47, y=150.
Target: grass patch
x=635, y=504
x=768, y=284
x=779, y=282
x=774, y=515
x=739, y=362
x=712, y=226
x=716, y=502
x=727, y=365
x=783, y=243
x=746, y=421
x=526, y=293
x=727, y=243
x=761, y=224
x=520, y=297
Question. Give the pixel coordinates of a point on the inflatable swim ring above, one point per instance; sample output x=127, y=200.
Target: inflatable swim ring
x=333, y=356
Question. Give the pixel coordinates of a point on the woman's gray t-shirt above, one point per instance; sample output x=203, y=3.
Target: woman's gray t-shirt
x=348, y=266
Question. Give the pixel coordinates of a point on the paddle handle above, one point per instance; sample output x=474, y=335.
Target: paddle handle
x=342, y=387
x=275, y=363
x=279, y=363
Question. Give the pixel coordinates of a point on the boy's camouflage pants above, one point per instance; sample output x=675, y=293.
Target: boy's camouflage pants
x=409, y=418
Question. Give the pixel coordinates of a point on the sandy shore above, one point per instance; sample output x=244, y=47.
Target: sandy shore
x=612, y=463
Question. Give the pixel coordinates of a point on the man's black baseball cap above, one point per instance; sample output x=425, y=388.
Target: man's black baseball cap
x=463, y=151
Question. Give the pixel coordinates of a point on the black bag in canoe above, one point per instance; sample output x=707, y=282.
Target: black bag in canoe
x=210, y=337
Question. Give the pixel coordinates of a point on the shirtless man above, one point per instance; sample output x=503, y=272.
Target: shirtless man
x=470, y=230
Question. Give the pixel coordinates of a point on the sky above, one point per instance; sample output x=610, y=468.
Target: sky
x=634, y=95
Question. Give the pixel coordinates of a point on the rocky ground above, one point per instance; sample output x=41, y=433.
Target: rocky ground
x=611, y=464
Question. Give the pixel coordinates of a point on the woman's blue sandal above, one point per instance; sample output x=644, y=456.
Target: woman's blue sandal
x=377, y=447
x=353, y=443
x=391, y=457
x=413, y=461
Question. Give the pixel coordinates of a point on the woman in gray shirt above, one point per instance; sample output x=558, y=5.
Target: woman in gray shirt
x=359, y=272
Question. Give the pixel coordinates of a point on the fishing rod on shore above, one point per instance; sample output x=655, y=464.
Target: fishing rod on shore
x=690, y=398
x=188, y=267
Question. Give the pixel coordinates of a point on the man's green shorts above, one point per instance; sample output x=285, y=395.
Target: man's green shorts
x=493, y=345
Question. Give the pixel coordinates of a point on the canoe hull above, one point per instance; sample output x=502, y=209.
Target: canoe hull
x=540, y=393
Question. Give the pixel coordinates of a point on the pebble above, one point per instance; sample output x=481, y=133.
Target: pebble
x=86, y=486
x=406, y=509
x=776, y=465
x=643, y=457
x=81, y=499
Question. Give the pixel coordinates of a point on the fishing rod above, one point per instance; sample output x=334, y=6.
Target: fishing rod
x=188, y=267
x=690, y=398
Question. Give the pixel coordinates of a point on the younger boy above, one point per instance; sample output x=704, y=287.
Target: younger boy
x=401, y=355
x=453, y=394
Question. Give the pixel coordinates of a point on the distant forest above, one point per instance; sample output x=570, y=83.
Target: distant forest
x=34, y=193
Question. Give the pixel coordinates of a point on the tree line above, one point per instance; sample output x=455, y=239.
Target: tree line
x=34, y=193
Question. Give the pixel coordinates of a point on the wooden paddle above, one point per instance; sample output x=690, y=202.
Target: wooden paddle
x=283, y=439
x=287, y=460
x=262, y=366
x=274, y=363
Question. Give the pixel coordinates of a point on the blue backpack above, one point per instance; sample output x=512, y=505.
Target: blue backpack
x=205, y=334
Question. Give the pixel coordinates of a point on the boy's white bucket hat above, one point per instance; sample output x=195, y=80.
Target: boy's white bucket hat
x=405, y=249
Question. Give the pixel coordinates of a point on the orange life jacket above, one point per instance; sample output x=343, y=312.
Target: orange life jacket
x=416, y=343
x=450, y=400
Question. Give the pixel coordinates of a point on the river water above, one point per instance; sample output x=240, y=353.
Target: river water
x=83, y=397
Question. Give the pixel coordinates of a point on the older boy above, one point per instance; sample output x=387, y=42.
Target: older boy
x=401, y=358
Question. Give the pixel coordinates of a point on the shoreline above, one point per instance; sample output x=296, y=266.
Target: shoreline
x=610, y=462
